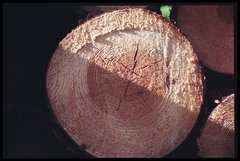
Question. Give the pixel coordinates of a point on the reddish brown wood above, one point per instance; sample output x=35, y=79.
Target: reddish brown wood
x=217, y=138
x=126, y=84
x=210, y=30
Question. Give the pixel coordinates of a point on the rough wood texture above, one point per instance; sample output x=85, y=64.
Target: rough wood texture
x=217, y=138
x=210, y=30
x=126, y=84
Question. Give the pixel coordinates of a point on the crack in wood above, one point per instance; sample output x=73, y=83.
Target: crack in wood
x=173, y=81
x=136, y=53
x=124, y=66
x=125, y=93
x=132, y=71
x=134, y=66
x=137, y=93
x=128, y=69
x=119, y=104
x=167, y=81
x=135, y=59
x=100, y=92
x=149, y=65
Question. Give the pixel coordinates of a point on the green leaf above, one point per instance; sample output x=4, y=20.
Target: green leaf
x=166, y=11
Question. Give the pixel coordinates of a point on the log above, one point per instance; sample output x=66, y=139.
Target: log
x=125, y=84
x=217, y=137
x=210, y=30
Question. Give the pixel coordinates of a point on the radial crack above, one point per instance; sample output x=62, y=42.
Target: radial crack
x=136, y=93
x=167, y=81
x=125, y=93
x=149, y=65
x=99, y=93
x=124, y=66
x=132, y=71
x=135, y=59
x=134, y=66
x=136, y=52
x=128, y=69
x=119, y=103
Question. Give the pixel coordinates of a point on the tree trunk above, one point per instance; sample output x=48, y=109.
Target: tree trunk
x=217, y=138
x=126, y=84
x=210, y=30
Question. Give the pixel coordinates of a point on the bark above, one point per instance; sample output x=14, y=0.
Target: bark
x=126, y=84
x=210, y=30
x=217, y=137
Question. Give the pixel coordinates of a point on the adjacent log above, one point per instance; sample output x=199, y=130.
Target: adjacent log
x=126, y=84
x=210, y=30
x=217, y=138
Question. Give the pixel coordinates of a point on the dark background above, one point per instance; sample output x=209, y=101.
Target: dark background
x=31, y=33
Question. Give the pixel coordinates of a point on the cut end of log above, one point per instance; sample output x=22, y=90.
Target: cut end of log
x=126, y=84
x=210, y=29
x=217, y=138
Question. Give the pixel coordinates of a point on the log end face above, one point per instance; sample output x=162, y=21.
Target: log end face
x=210, y=29
x=218, y=138
x=128, y=93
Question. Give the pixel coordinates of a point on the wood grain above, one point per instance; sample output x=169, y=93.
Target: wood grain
x=126, y=84
x=217, y=138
